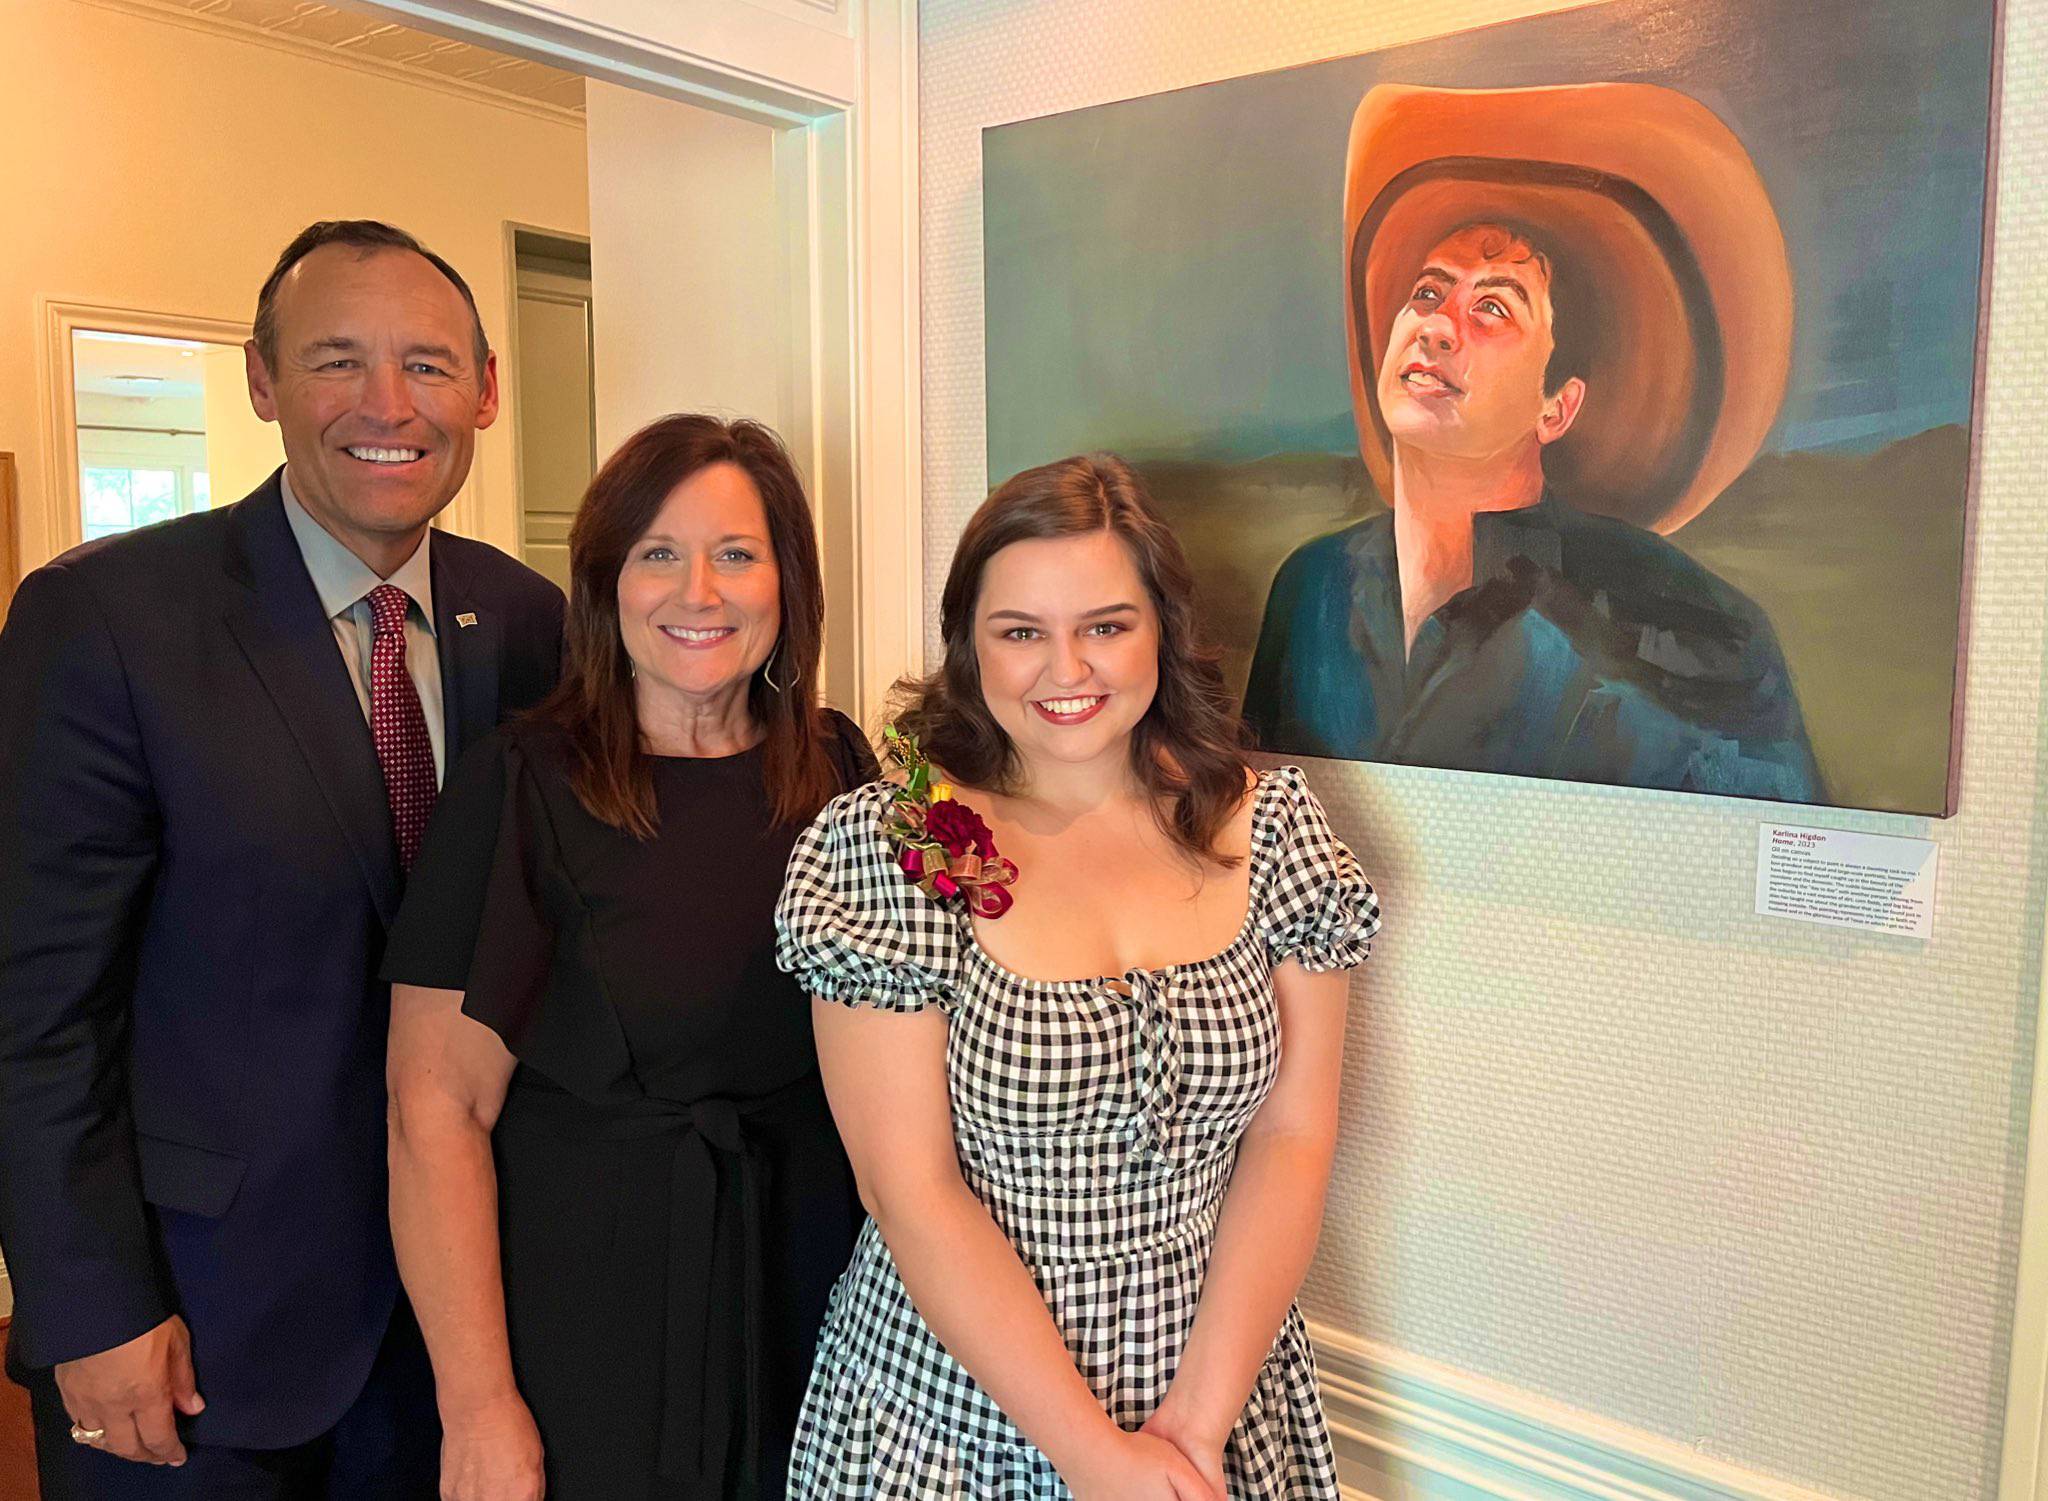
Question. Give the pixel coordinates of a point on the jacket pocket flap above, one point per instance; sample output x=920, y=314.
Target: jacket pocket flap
x=192, y=1180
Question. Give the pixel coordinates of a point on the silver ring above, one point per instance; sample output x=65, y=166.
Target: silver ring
x=87, y=1436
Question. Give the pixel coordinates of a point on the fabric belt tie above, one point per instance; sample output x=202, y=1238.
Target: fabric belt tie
x=713, y=1354
x=717, y=1195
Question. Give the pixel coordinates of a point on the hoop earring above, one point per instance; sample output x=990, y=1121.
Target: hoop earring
x=767, y=674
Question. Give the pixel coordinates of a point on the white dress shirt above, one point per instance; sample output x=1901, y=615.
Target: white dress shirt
x=344, y=581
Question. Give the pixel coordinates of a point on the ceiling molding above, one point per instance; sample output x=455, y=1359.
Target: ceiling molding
x=365, y=44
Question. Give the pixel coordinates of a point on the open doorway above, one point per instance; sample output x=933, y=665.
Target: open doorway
x=553, y=389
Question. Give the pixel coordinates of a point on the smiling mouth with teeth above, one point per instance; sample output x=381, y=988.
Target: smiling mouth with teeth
x=1427, y=381
x=685, y=633
x=1069, y=705
x=386, y=455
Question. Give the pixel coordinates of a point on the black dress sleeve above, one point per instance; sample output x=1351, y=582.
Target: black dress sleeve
x=473, y=918
x=852, y=756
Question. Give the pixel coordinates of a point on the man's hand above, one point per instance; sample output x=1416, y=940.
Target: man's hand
x=135, y=1392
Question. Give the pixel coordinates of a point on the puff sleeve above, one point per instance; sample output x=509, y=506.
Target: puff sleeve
x=852, y=927
x=1317, y=907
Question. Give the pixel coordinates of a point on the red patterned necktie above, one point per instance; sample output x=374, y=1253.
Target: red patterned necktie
x=397, y=725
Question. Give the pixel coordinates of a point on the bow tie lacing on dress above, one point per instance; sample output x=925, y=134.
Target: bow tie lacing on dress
x=1156, y=1062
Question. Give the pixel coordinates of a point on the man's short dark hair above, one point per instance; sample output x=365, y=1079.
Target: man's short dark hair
x=1570, y=329
x=365, y=236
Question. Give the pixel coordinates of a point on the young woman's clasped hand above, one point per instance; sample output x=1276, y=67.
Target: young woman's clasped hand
x=1144, y=1467
x=1201, y=1448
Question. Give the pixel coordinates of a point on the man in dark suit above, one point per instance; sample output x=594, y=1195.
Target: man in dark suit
x=222, y=737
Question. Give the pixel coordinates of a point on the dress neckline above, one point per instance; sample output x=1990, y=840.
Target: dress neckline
x=740, y=755
x=1267, y=781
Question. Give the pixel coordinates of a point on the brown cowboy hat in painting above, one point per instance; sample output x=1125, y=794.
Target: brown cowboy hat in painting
x=1658, y=214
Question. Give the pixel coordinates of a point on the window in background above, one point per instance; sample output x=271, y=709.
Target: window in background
x=157, y=420
x=116, y=500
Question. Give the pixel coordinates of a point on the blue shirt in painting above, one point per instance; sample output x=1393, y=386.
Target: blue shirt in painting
x=1587, y=650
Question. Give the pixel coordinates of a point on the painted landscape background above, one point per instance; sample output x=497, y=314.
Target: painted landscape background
x=1164, y=279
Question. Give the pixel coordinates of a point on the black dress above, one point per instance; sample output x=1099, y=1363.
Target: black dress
x=673, y=1201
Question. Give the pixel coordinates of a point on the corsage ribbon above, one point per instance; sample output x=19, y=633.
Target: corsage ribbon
x=942, y=844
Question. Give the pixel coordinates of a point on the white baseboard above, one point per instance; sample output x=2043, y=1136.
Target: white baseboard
x=1408, y=1429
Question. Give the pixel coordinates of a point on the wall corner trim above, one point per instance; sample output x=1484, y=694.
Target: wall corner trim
x=1409, y=1429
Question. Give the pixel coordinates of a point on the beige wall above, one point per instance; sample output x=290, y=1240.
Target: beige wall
x=155, y=166
x=687, y=265
x=241, y=448
x=1609, y=1138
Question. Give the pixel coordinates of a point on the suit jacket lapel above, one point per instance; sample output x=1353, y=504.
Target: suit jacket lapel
x=468, y=636
x=289, y=642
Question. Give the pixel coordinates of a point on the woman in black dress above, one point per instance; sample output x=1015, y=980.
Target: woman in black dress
x=616, y=1192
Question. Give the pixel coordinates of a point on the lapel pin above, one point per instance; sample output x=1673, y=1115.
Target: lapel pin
x=466, y=618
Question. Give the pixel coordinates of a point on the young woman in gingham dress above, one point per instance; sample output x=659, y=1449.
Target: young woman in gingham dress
x=1056, y=1167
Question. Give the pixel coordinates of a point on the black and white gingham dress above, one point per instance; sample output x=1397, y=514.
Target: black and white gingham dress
x=1098, y=1127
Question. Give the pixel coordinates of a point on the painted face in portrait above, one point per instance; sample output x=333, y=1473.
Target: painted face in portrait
x=1463, y=373
x=700, y=597
x=1067, y=639
x=377, y=390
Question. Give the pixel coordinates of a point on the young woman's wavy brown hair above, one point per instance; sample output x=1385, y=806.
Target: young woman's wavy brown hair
x=1188, y=750
x=594, y=705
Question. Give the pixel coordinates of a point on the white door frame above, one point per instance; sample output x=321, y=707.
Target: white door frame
x=840, y=76
x=57, y=320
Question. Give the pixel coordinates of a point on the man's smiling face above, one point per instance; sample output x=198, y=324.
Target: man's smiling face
x=377, y=390
x=1463, y=375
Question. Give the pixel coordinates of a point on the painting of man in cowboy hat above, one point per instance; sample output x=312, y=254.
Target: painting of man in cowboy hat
x=1587, y=396
x=1570, y=317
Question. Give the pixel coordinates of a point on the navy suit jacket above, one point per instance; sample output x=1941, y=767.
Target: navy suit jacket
x=196, y=875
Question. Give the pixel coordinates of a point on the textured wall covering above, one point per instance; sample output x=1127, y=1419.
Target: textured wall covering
x=1743, y=1183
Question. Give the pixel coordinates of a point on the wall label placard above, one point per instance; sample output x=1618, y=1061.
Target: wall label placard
x=1881, y=883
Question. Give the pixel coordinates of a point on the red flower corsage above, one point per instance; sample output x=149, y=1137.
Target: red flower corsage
x=942, y=844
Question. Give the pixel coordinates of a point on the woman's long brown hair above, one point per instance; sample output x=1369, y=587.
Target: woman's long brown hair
x=1188, y=750
x=593, y=704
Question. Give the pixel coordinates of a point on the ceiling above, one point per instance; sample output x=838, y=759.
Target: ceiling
x=133, y=366
x=369, y=41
